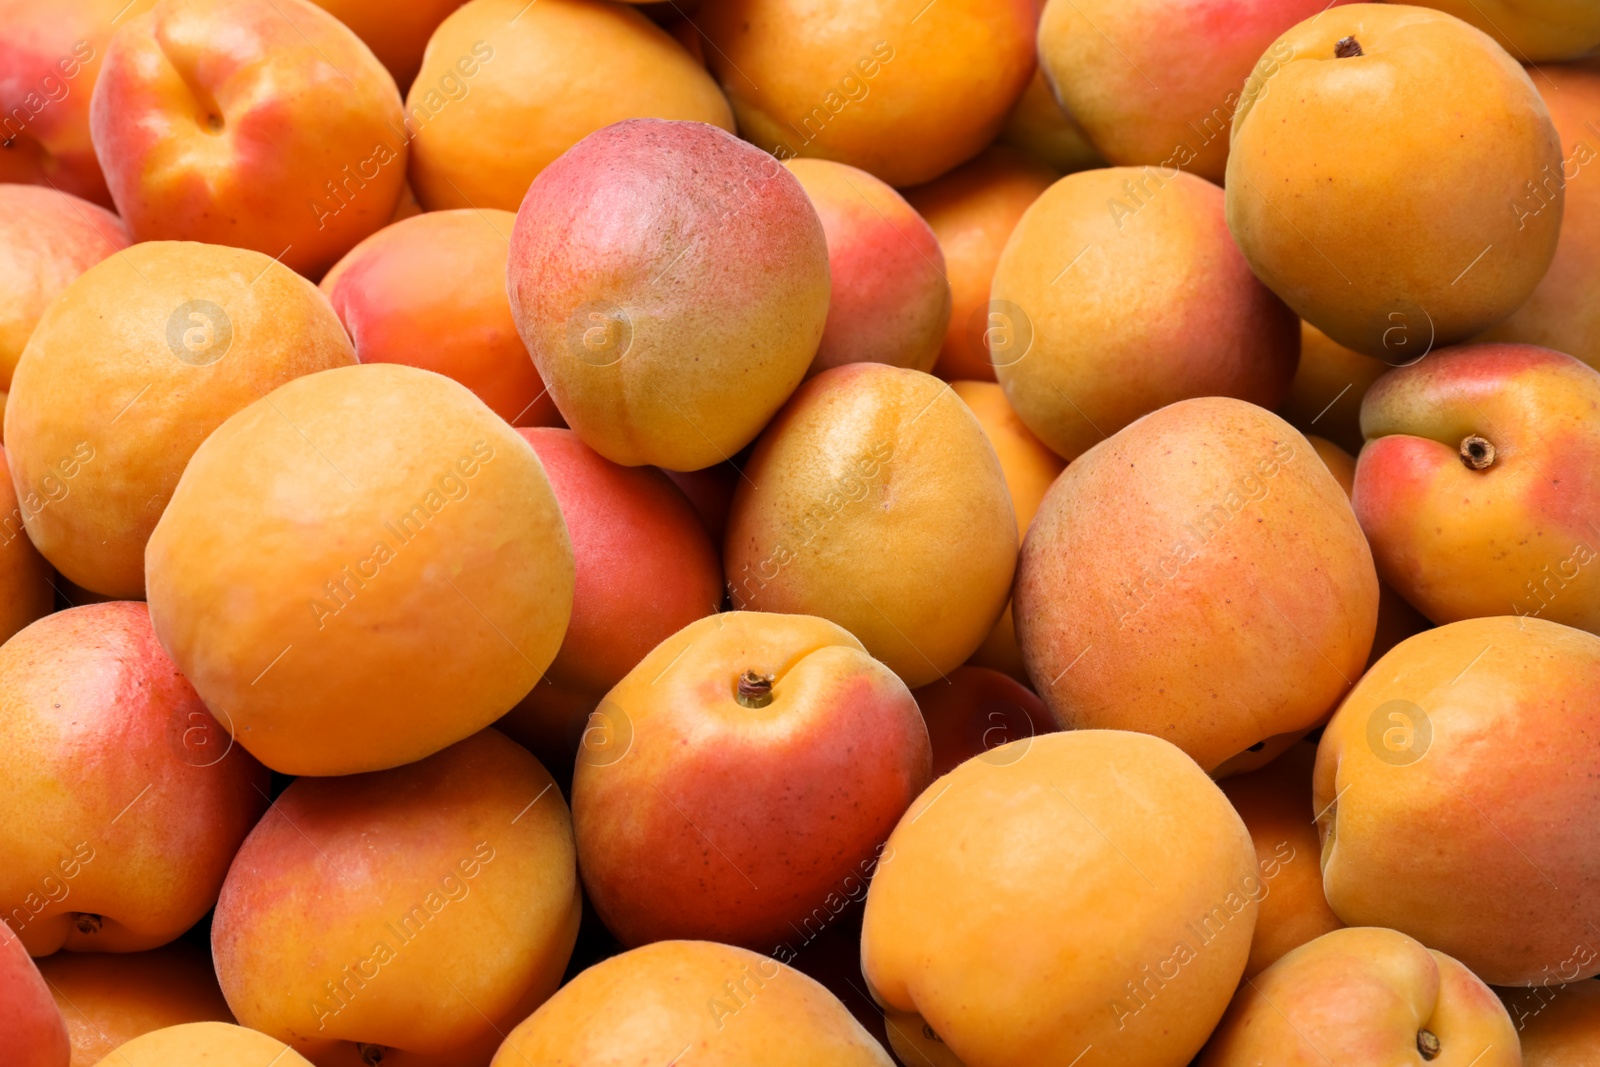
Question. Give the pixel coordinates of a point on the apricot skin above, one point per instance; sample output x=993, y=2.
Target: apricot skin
x=26, y=592
x=976, y=710
x=36, y=1034
x=1329, y=383
x=1532, y=30
x=212, y=1044
x=1558, y=1027
x=396, y=33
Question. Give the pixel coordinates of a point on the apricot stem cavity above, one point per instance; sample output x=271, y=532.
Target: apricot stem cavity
x=372, y=1055
x=755, y=690
x=87, y=922
x=1476, y=452
x=1428, y=1044
x=1348, y=48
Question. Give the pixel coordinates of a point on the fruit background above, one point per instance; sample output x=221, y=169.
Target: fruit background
x=799, y=533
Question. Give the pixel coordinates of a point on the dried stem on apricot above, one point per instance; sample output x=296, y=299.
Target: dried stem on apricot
x=87, y=922
x=1428, y=1044
x=1476, y=452
x=755, y=690
x=1348, y=48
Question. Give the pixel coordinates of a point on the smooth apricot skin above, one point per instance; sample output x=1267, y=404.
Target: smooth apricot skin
x=1199, y=576
x=699, y=815
x=108, y=999
x=1120, y=292
x=1431, y=754
x=1515, y=538
x=208, y=1044
x=1558, y=1027
x=1327, y=152
x=26, y=592
x=50, y=55
x=430, y=292
x=669, y=314
x=36, y=1034
x=1041, y=127
x=47, y=239
x=265, y=125
x=1364, y=995
x=1275, y=804
x=357, y=600
x=1105, y=862
x=1532, y=30
x=1155, y=84
x=1325, y=395
x=505, y=88
x=1562, y=314
x=678, y=999
x=396, y=33
x=898, y=90
x=972, y=211
x=124, y=798
x=140, y=360
x=875, y=501
x=412, y=908
x=890, y=299
x=976, y=710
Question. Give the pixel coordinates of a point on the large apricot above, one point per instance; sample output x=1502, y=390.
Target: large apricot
x=671, y=283
x=140, y=360
x=430, y=292
x=506, y=87
x=1153, y=83
x=673, y=999
x=35, y=1033
x=890, y=300
x=1343, y=132
x=1199, y=576
x=972, y=211
x=1119, y=292
x=899, y=88
x=1325, y=396
x=211, y=1044
x=26, y=592
x=1093, y=889
x=1532, y=30
x=353, y=597
x=1434, y=753
x=875, y=501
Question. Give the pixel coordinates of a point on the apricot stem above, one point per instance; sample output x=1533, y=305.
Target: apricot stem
x=1476, y=452
x=1428, y=1044
x=1348, y=48
x=371, y=1055
x=755, y=690
x=87, y=922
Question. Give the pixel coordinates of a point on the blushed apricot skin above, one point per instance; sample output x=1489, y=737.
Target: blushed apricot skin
x=1328, y=151
x=679, y=995
x=1562, y=313
x=212, y=1044
x=671, y=283
x=796, y=795
x=430, y=292
x=875, y=501
x=1515, y=538
x=36, y=1034
x=890, y=301
x=1095, y=55
x=1431, y=755
x=972, y=210
x=26, y=593
x=976, y=710
x=1129, y=294
x=507, y=87
x=1325, y=396
x=1364, y=995
x=265, y=124
x=1532, y=30
x=100, y=723
x=140, y=360
x=1559, y=1026
x=899, y=91
x=1007, y=850
x=1200, y=576
x=396, y=33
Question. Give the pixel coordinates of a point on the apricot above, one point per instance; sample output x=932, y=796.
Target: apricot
x=108, y=999
x=1364, y=996
x=890, y=300
x=47, y=239
x=430, y=292
x=1432, y=754
x=357, y=599
x=1340, y=132
x=1155, y=84
x=1557, y=1027
x=875, y=501
x=140, y=360
x=1325, y=395
x=204, y=1045
x=644, y=568
x=742, y=776
x=680, y=998
x=411, y=908
x=26, y=592
x=900, y=89
x=1199, y=576
x=1041, y=127
x=265, y=124
x=976, y=710
x=396, y=33
x=1562, y=313
x=972, y=211
x=36, y=1035
x=1115, y=874
x=50, y=55
x=1480, y=481
x=1119, y=292
x=1275, y=804
x=1532, y=30
x=506, y=87
x=123, y=799
x=671, y=283
x=710, y=490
